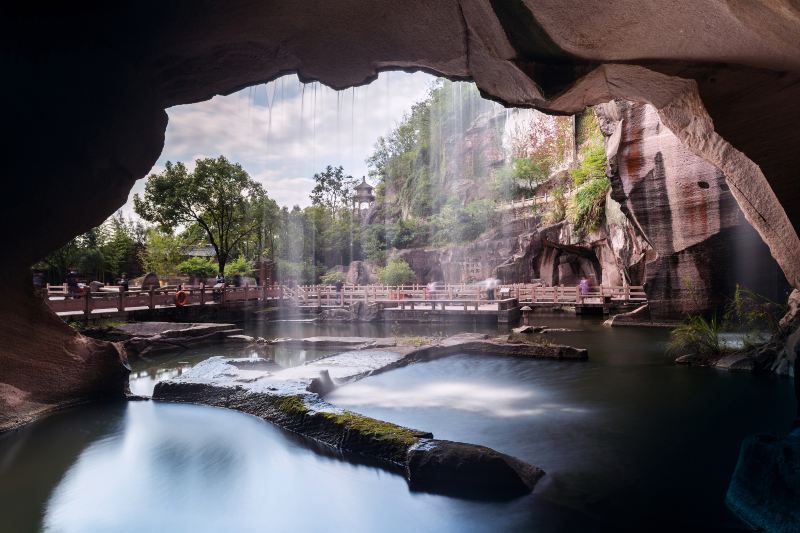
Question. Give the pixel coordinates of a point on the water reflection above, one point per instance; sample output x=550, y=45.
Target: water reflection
x=628, y=440
x=163, y=467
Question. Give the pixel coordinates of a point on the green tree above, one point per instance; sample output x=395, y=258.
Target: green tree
x=332, y=276
x=240, y=266
x=218, y=196
x=396, y=272
x=332, y=189
x=198, y=266
x=161, y=253
x=531, y=173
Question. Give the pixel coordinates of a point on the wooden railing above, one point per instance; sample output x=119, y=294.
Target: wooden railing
x=110, y=299
x=524, y=293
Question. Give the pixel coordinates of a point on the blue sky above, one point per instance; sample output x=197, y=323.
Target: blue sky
x=284, y=132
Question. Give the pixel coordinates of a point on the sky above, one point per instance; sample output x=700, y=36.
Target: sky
x=284, y=132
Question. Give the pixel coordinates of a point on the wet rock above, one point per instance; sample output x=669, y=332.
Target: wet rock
x=528, y=329
x=336, y=315
x=468, y=470
x=690, y=359
x=323, y=384
x=636, y=317
x=738, y=361
x=336, y=342
x=765, y=488
x=242, y=339
x=153, y=338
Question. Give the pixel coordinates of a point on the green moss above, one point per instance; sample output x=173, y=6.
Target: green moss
x=292, y=405
x=376, y=429
x=587, y=207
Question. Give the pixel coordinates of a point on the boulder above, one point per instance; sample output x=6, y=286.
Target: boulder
x=765, y=488
x=468, y=470
x=744, y=362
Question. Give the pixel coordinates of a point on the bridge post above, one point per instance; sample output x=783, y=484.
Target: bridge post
x=87, y=303
x=202, y=293
x=152, y=299
x=121, y=302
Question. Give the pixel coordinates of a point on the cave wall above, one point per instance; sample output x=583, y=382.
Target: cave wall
x=86, y=88
x=683, y=207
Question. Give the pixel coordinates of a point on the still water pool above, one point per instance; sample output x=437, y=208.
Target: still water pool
x=628, y=440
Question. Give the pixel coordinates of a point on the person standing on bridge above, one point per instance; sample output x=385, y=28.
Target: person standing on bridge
x=124, y=284
x=72, y=283
x=219, y=286
x=339, y=284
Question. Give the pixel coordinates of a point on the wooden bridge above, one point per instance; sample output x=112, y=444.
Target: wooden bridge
x=398, y=301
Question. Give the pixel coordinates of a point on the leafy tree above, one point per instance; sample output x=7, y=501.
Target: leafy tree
x=396, y=272
x=332, y=276
x=198, y=266
x=240, y=266
x=161, y=253
x=101, y=253
x=218, y=196
x=531, y=173
x=332, y=189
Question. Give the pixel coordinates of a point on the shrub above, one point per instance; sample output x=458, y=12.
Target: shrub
x=240, y=266
x=753, y=313
x=587, y=207
x=557, y=207
x=332, y=276
x=697, y=336
x=198, y=266
x=593, y=165
x=396, y=272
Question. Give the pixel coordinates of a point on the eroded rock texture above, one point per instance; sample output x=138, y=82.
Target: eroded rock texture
x=682, y=207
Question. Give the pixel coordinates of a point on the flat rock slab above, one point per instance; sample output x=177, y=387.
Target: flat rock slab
x=337, y=342
x=291, y=399
x=148, y=329
x=255, y=375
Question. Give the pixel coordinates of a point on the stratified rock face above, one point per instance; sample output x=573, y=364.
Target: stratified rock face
x=53, y=366
x=682, y=206
x=765, y=488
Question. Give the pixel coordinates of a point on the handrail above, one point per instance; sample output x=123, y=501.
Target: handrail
x=463, y=295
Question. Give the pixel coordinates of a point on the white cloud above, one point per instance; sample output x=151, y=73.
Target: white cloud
x=284, y=132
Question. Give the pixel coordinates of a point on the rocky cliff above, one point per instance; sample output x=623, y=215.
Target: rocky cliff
x=671, y=224
x=700, y=244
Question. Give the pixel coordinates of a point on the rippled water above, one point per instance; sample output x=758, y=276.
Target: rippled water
x=627, y=440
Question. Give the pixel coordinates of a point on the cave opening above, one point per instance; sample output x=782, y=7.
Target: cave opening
x=717, y=98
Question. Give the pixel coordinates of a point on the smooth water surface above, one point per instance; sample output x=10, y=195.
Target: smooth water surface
x=628, y=441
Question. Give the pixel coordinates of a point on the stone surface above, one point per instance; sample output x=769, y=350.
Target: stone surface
x=765, y=488
x=467, y=470
x=685, y=213
x=739, y=362
x=738, y=63
x=291, y=399
x=152, y=338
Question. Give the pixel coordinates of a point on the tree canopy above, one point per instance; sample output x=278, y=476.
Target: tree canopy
x=218, y=196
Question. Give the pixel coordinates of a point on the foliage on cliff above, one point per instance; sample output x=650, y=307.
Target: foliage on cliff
x=396, y=272
x=586, y=209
